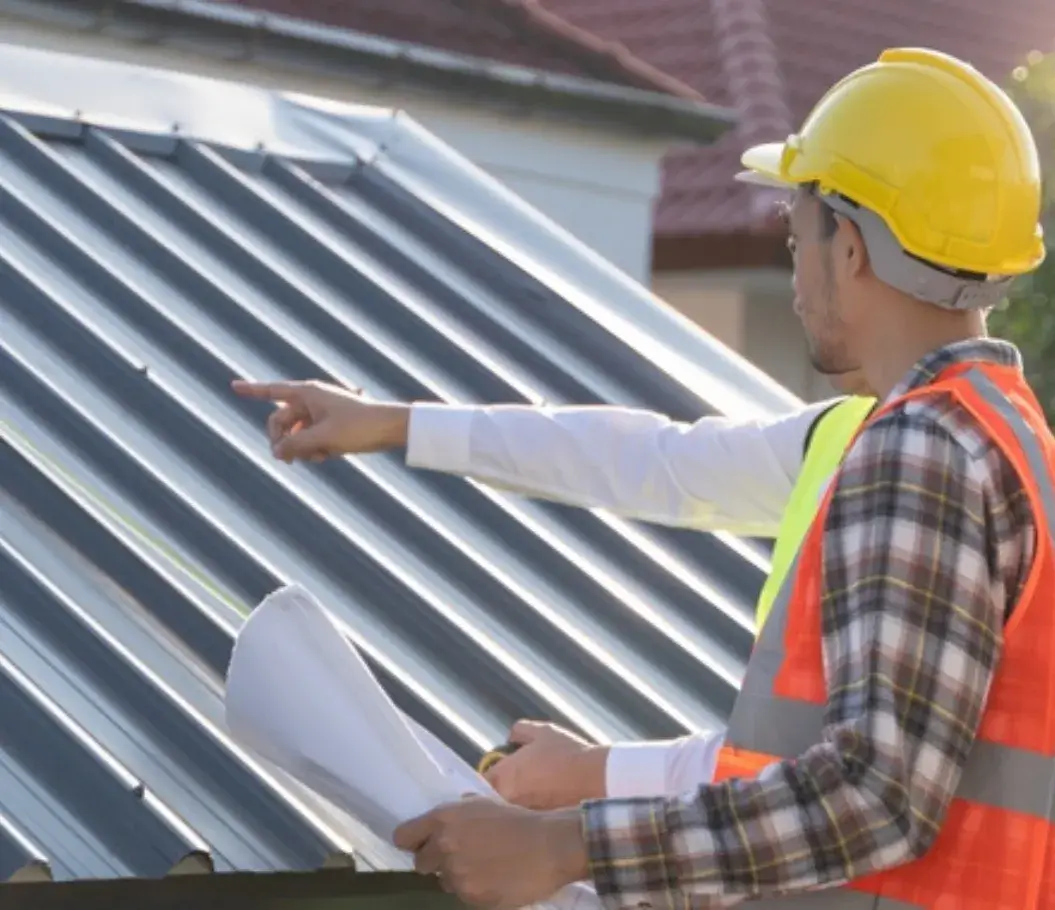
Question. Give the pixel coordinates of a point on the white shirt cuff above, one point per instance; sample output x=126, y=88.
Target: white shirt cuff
x=664, y=768
x=439, y=437
x=637, y=769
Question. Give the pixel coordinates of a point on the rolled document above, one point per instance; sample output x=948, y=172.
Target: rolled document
x=300, y=695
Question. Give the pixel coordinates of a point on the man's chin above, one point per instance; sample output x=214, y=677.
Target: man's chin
x=826, y=369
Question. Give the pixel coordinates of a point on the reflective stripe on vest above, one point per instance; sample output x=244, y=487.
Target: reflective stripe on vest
x=831, y=438
x=1001, y=822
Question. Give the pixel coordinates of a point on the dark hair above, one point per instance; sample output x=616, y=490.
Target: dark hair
x=828, y=223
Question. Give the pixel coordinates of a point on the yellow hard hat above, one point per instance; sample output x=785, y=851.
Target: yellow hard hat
x=933, y=148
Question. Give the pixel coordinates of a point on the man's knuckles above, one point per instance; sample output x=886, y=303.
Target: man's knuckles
x=500, y=779
x=447, y=841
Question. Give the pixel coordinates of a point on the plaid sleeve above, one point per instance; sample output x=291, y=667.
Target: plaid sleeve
x=911, y=635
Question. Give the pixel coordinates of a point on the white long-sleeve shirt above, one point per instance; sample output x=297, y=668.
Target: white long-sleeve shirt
x=714, y=474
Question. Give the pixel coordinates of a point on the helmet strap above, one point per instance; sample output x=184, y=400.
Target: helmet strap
x=919, y=279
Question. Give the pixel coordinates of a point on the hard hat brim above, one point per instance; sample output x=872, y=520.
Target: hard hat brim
x=762, y=166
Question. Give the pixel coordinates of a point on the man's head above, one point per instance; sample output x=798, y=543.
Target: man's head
x=916, y=201
x=845, y=308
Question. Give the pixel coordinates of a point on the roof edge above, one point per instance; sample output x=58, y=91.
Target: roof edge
x=612, y=54
x=306, y=45
x=234, y=890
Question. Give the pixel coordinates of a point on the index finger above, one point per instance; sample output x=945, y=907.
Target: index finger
x=267, y=391
x=525, y=732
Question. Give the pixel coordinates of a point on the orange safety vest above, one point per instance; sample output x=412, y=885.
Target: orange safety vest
x=996, y=848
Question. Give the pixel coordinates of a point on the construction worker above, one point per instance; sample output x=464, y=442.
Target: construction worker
x=893, y=744
x=763, y=478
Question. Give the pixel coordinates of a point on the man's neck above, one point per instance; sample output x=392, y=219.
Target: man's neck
x=895, y=351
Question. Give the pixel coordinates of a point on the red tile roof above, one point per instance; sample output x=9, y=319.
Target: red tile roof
x=772, y=59
x=518, y=32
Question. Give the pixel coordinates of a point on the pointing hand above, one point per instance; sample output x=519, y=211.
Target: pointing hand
x=315, y=420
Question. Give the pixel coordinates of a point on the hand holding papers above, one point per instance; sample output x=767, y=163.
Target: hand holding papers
x=300, y=695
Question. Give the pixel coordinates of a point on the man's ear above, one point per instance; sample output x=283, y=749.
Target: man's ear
x=849, y=253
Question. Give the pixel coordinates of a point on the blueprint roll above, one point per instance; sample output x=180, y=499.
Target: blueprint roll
x=300, y=695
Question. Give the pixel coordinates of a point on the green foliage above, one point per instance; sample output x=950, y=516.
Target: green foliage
x=1029, y=320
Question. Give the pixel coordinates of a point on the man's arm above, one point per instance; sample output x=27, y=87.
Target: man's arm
x=911, y=637
x=714, y=474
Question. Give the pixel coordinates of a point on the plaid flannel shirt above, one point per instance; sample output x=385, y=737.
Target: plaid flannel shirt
x=927, y=543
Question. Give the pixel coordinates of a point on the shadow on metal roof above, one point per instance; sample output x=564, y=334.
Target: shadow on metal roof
x=325, y=890
x=142, y=515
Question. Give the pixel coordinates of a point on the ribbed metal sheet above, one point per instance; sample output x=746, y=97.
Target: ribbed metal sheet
x=142, y=514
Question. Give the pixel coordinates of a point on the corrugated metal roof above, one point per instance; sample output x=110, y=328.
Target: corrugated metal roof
x=142, y=515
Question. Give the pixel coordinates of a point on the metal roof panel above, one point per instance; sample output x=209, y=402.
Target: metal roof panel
x=143, y=515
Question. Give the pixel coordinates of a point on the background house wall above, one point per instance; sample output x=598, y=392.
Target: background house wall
x=719, y=307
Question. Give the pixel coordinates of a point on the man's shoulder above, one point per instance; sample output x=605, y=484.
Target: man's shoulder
x=916, y=455
x=939, y=429
x=943, y=415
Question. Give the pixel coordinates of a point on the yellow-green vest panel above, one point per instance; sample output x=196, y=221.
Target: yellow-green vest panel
x=830, y=440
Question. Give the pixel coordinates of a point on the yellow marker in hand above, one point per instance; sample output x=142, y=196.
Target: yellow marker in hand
x=494, y=756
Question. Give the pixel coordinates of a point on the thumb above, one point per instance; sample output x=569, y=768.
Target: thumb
x=410, y=836
x=310, y=442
